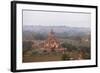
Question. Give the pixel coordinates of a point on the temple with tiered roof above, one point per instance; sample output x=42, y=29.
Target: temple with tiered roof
x=52, y=43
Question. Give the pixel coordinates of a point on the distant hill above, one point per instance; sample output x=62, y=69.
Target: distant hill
x=40, y=32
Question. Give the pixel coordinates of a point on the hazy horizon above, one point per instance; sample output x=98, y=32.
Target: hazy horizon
x=52, y=26
x=41, y=18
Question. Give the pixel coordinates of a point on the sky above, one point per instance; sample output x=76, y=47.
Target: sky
x=50, y=18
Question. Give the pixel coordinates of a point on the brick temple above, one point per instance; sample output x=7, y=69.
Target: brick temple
x=52, y=43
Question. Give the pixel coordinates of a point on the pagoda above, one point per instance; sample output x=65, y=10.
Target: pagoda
x=51, y=43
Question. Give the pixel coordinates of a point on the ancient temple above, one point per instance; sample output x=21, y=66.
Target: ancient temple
x=51, y=43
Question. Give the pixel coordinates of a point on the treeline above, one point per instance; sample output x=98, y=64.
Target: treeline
x=29, y=35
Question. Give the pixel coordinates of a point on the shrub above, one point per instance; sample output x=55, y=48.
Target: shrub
x=65, y=57
x=70, y=47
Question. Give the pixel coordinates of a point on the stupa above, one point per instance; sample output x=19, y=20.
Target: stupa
x=51, y=43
